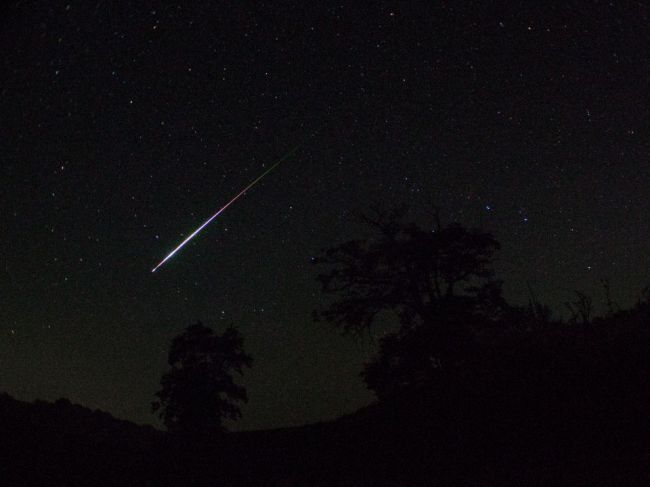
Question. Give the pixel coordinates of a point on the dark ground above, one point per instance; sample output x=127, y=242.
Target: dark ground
x=565, y=406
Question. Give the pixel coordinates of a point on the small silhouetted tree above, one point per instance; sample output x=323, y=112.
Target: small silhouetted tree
x=199, y=390
x=581, y=309
x=438, y=282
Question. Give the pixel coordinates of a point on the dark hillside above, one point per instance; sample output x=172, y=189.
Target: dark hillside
x=563, y=404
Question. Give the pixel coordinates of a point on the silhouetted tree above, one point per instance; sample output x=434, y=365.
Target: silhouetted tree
x=537, y=314
x=199, y=390
x=440, y=283
x=411, y=271
x=581, y=309
x=610, y=305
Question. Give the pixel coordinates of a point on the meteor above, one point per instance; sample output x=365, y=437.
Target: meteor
x=222, y=209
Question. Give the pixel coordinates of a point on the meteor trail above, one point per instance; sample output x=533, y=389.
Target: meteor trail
x=193, y=234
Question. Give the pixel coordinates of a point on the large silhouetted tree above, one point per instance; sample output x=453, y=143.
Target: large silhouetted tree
x=199, y=390
x=439, y=283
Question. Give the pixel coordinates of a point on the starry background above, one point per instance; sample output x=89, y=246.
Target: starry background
x=123, y=128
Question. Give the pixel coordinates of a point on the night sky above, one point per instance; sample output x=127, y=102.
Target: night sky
x=124, y=127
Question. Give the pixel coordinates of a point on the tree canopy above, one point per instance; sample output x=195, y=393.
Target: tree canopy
x=439, y=283
x=406, y=269
x=199, y=390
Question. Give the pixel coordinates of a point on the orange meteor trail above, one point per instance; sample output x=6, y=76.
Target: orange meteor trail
x=193, y=234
